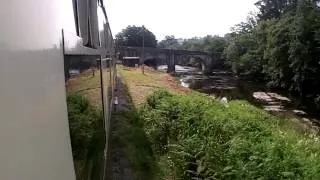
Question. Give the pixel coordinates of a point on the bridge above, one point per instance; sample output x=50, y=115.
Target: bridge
x=169, y=57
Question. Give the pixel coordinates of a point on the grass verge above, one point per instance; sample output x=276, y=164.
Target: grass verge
x=87, y=136
x=88, y=86
x=127, y=134
x=142, y=85
x=130, y=137
x=196, y=137
x=86, y=124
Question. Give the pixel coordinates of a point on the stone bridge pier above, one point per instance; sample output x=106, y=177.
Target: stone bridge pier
x=169, y=57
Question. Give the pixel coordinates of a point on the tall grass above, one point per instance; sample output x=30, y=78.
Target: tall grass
x=204, y=139
x=87, y=137
x=128, y=135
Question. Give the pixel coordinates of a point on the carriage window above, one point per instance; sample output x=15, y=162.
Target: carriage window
x=86, y=18
x=85, y=112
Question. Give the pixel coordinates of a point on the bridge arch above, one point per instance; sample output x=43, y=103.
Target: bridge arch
x=154, y=59
x=148, y=56
x=170, y=57
x=203, y=64
x=152, y=62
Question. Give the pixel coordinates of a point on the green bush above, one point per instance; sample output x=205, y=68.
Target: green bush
x=204, y=139
x=87, y=134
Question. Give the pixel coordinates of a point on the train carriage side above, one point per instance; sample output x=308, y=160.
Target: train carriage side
x=47, y=50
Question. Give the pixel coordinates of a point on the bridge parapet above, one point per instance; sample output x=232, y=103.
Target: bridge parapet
x=168, y=55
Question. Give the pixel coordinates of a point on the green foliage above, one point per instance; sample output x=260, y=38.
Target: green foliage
x=86, y=128
x=193, y=44
x=304, y=49
x=134, y=36
x=204, y=139
x=130, y=135
x=281, y=49
x=274, y=8
x=277, y=53
x=170, y=42
x=215, y=44
x=246, y=27
x=87, y=135
x=211, y=44
x=243, y=55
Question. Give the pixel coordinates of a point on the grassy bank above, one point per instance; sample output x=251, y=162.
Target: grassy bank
x=88, y=86
x=193, y=136
x=87, y=136
x=86, y=124
x=131, y=138
x=199, y=138
x=128, y=137
x=141, y=85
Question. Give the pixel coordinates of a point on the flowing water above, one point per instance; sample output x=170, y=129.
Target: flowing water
x=224, y=84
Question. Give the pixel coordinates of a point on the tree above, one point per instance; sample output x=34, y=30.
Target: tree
x=243, y=55
x=304, y=49
x=276, y=55
x=169, y=42
x=214, y=44
x=133, y=36
x=194, y=44
x=247, y=26
x=274, y=8
x=284, y=47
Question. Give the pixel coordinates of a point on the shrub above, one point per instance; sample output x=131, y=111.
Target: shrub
x=203, y=139
x=86, y=132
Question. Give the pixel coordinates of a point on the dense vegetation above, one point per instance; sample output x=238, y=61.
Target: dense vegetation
x=87, y=136
x=208, y=43
x=129, y=135
x=197, y=137
x=279, y=45
x=136, y=36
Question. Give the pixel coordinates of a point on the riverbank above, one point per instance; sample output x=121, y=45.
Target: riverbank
x=182, y=130
x=220, y=84
x=224, y=84
x=196, y=137
x=141, y=85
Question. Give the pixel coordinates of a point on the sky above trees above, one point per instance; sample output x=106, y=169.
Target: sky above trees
x=181, y=18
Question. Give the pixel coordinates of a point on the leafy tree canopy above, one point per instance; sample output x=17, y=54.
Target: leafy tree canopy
x=170, y=42
x=134, y=35
x=283, y=47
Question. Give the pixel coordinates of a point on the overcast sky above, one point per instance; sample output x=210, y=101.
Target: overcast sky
x=181, y=18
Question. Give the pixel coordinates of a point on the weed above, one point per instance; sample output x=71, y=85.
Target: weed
x=203, y=139
x=87, y=135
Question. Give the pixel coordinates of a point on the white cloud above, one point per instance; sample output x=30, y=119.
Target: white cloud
x=181, y=18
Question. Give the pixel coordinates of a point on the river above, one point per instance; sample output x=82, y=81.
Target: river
x=224, y=84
